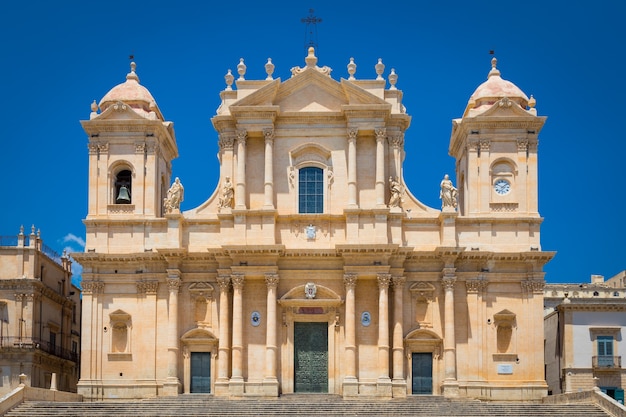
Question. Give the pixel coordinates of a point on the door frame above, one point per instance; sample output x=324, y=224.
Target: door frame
x=198, y=340
x=323, y=308
x=424, y=341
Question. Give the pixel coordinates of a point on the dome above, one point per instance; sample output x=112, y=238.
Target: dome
x=133, y=94
x=494, y=89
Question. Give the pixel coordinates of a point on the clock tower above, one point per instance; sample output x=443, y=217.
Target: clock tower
x=495, y=147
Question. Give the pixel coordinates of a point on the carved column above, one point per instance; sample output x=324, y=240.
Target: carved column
x=380, y=166
x=269, y=168
x=271, y=349
x=398, y=381
x=384, y=383
x=352, y=186
x=449, y=341
x=91, y=340
x=224, y=323
x=226, y=144
x=173, y=284
x=236, y=380
x=396, y=142
x=240, y=193
x=350, y=382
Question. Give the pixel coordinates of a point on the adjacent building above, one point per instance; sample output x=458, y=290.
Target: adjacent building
x=39, y=315
x=584, y=325
x=312, y=268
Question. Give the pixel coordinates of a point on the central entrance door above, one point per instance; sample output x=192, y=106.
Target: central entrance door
x=422, y=373
x=200, y=372
x=310, y=366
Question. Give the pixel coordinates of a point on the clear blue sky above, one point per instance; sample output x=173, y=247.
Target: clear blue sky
x=57, y=57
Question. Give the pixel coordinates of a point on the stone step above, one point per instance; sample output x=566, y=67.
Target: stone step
x=301, y=406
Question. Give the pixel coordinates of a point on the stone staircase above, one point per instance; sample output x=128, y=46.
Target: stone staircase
x=302, y=406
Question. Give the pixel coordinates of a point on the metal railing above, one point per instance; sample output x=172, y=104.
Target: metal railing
x=606, y=362
x=11, y=241
x=32, y=344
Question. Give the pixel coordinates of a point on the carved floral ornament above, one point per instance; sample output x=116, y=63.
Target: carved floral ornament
x=226, y=141
x=383, y=281
x=92, y=287
x=533, y=286
x=476, y=285
x=147, y=287
x=396, y=140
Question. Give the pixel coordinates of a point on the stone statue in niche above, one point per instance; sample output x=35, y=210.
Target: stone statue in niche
x=228, y=192
x=396, y=190
x=448, y=193
x=175, y=196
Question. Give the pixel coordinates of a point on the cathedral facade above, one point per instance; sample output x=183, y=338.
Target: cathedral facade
x=312, y=268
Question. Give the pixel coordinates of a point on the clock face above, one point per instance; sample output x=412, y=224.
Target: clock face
x=502, y=187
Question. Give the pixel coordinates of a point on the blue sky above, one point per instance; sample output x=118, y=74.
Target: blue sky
x=57, y=57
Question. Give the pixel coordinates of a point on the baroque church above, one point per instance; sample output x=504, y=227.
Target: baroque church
x=312, y=268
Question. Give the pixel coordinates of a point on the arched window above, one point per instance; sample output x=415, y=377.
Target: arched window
x=123, y=187
x=311, y=190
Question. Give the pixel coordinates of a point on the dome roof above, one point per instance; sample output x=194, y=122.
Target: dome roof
x=133, y=94
x=494, y=89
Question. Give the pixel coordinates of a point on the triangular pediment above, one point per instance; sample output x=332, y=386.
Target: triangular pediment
x=309, y=91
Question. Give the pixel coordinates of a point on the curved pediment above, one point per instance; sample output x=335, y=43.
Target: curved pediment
x=299, y=293
x=198, y=335
x=423, y=334
x=505, y=107
x=123, y=111
x=323, y=297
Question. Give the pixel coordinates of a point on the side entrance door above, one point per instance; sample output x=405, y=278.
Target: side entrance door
x=200, y=372
x=310, y=366
x=422, y=373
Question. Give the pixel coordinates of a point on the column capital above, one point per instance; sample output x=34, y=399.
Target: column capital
x=381, y=134
x=92, y=287
x=448, y=282
x=398, y=282
x=396, y=140
x=271, y=279
x=533, y=286
x=224, y=282
x=226, y=141
x=173, y=283
x=268, y=134
x=349, y=280
x=383, y=280
x=242, y=136
x=476, y=285
x=353, y=132
x=237, y=280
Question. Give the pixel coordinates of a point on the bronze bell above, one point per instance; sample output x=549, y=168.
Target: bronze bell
x=123, y=197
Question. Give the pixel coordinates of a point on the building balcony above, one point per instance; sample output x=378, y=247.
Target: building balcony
x=606, y=362
x=24, y=344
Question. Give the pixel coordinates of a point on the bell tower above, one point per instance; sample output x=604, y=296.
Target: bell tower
x=131, y=147
x=495, y=147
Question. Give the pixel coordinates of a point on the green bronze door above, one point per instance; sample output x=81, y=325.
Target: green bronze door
x=200, y=372
x=310, y=366
x=422, y=373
